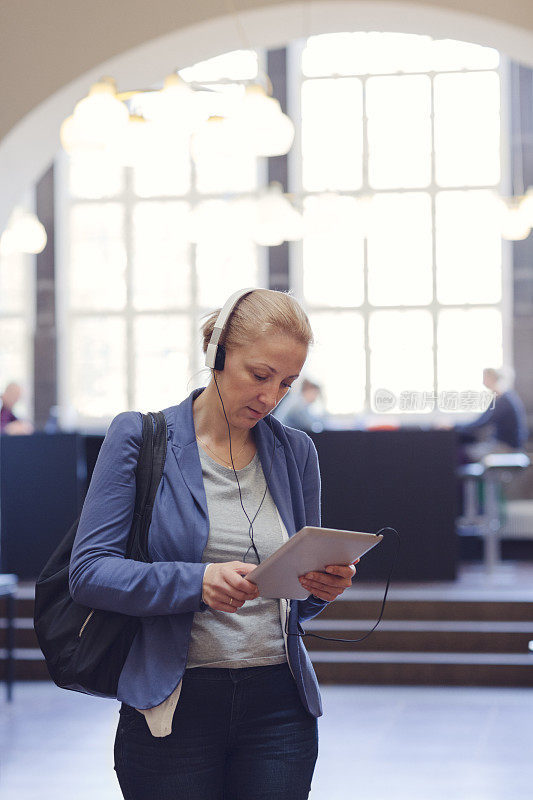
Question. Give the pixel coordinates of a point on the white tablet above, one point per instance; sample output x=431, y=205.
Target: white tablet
x=309, y=550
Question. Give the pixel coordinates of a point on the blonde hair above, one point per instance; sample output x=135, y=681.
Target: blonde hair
x=261, y=311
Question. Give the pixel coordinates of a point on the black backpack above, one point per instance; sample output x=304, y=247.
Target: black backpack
x=85, y=649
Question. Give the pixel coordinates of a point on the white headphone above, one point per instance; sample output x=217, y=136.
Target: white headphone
x=215, y=355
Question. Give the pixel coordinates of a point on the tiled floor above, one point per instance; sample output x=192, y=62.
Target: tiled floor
x=376, y=743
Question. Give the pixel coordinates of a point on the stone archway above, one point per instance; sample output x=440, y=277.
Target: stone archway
x=31, y=144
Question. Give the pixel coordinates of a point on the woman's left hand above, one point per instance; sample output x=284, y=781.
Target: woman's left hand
x=330, y=584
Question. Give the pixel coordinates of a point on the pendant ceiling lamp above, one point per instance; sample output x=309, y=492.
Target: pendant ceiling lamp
x=97, y=120
x=23, y=234
x=515, y=222
x=218, y=138
x=175, y=107
x=268, y=130
x=102, y=122
x=276, y=219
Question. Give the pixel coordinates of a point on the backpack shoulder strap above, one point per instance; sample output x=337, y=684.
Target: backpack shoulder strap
x=150, y=465
x=159, y=453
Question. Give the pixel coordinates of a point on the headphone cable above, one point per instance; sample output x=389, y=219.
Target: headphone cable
x=251, y=521
x=387, y=529
x=302, y=632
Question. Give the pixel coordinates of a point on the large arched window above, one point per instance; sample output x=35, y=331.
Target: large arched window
x=396, y=160
x=133, y=287
x=401, y=264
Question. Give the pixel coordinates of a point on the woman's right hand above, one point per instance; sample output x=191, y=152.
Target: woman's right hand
x=224, y=581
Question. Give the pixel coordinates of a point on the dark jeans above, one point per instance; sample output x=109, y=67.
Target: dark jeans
x=237, y=734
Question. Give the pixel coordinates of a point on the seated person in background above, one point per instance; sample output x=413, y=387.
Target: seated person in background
x=9, y=423
x=301, y=411
x=504, y=423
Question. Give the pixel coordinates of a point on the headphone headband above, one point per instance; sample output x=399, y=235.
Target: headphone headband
x=213, y=358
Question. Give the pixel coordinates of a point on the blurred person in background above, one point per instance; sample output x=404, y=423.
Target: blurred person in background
x=304, y=411
x=502, y=428
x=9, y=422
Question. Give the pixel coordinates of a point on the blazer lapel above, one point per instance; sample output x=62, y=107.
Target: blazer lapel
x=185, y=450
x=191, y=470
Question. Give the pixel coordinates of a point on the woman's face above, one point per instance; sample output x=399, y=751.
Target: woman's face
x=257, y=376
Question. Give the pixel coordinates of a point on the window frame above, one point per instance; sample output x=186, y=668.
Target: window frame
x=295, y=81
x=66, y=315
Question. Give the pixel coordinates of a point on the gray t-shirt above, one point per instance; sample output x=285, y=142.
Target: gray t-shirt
x=252, y=636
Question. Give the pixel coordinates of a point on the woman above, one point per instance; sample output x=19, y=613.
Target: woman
x=219, y=698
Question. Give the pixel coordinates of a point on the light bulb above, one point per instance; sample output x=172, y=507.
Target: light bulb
x=220, y=138
x=270, y=132
x=24, y=233
x=276, y=220
x=526, y=206
x=97, y=121
x=514, y=224
x=175, y=106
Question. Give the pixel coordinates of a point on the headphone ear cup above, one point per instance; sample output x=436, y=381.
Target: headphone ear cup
x=220, y=358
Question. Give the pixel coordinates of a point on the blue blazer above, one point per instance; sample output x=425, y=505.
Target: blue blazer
x=166, y=593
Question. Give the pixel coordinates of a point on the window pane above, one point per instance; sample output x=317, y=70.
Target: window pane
x=450, y=54
x=97, y=268
x=161, y=273
x=233, y=171
x=332, y=134
x=467, y=129
x=14, y=353
x=216, y=220
x=223, y=267
x=366, y=53
x=337, y=360
x=399, y=131
x=401, y=355
x=223, y=163
x=468, y=248
x=333, y=245
x=162, y=345
x=237, y=65
x=377, y=53
x=199, y=373
x=468, y=341
x=15, y=292
x=97, y=360
x=399, y=261
x=163, y=173
x=94, y=176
